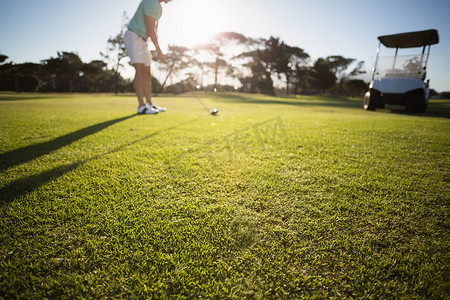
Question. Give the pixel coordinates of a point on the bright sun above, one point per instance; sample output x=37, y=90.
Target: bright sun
x=199, y=20
x=205, y=22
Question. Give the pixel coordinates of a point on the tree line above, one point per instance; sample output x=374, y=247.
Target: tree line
x=229, y=62
x=64, y=73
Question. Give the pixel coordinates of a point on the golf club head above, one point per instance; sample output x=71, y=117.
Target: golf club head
x=214, y=111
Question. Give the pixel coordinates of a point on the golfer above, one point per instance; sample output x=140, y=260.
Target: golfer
x=143, y=25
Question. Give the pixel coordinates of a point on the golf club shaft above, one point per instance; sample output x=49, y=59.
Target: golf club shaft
x=194, y=93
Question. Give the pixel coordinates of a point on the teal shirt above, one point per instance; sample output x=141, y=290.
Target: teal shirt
x=151, y=8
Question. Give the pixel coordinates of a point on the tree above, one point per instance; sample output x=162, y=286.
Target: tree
x=301, y=78
x=94, y=75
x=283, y=59
x=3, y=58
x=116, y=51
x=321, y=75
x=20, y=78
x=296, y=60
x=6, y=77
x=340, y=66
x=272, y=57
x=27, y=77
x=260, y=79
x=65, y=71
x=178, y=58
x=355, y=88
x=219, y=53
x=256, y=76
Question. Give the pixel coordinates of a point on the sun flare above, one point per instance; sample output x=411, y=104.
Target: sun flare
x=200, y=20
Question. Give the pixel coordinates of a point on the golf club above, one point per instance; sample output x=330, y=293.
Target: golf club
x=213, y=111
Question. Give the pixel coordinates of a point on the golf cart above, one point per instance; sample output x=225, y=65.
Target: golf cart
x=400, y=79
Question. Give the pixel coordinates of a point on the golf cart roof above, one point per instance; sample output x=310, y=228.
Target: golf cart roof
x=410, y=39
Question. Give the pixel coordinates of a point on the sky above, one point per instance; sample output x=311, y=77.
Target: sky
x=34, y=30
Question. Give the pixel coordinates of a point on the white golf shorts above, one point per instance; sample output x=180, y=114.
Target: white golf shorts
x=137, y=48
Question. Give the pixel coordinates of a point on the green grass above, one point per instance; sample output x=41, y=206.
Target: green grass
x=294, y=197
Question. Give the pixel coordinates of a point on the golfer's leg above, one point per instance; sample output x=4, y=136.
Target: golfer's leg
x=148, y=85
x=139, y=82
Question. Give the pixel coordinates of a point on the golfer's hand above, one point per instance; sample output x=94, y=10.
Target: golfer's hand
x=162, y=57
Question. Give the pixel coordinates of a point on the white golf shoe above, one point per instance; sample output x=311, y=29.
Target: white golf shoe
x=157, y=108
x=146, y=110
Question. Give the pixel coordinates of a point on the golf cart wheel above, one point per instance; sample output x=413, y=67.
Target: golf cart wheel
x=381, y=103
x=371, y=99
x=415, y=102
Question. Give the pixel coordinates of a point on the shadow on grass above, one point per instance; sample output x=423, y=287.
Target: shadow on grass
x=428, y=113
x=29, y=153
x=435, y=109
x=20, y=97
x=23, y=186
x=328, y=101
